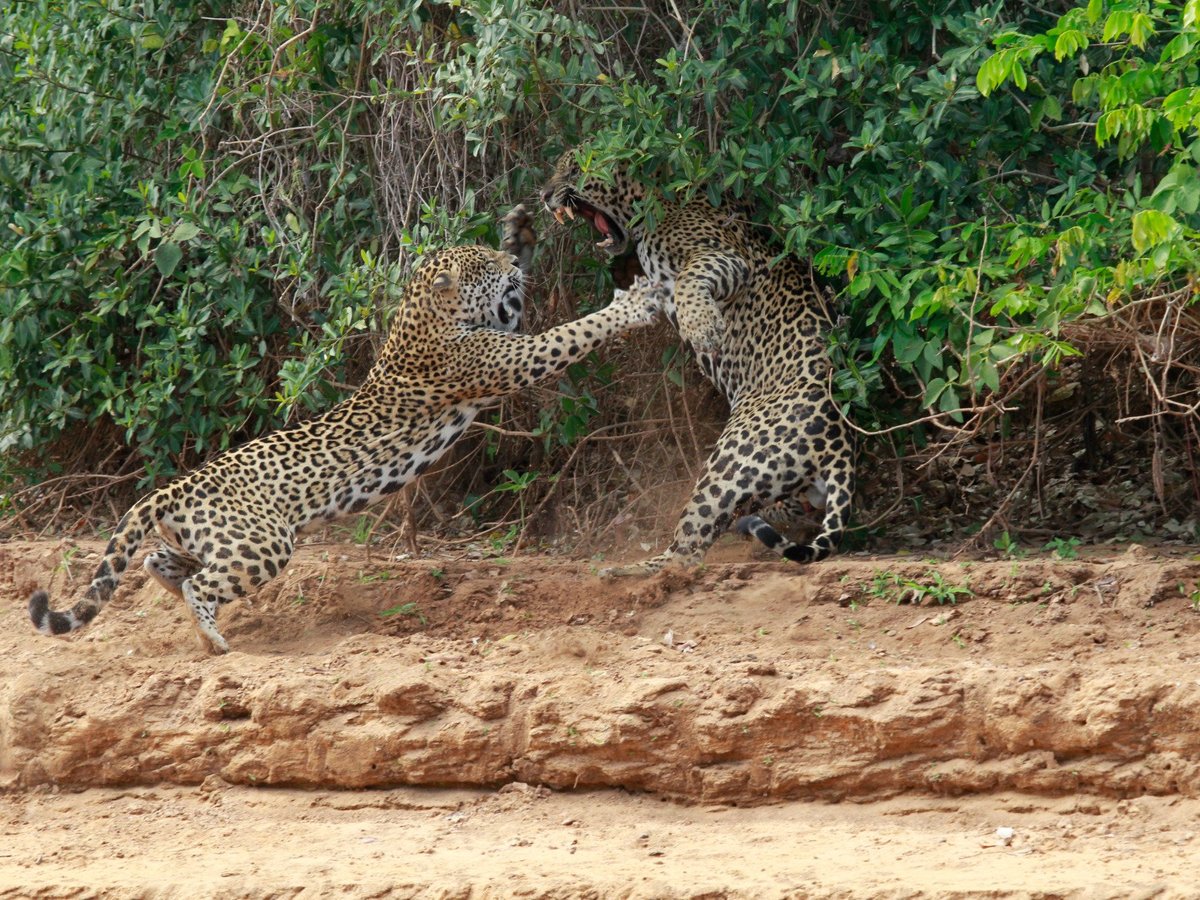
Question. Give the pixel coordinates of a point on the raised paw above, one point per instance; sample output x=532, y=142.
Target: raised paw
x=644, y=300
x=518, y=236
x=707, y=340
x=645, y=285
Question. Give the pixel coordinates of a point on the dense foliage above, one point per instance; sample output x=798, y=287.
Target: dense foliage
x=206, y=205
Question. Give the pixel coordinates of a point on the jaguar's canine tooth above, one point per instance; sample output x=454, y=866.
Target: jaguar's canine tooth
x=558, y=215
x=570, y=213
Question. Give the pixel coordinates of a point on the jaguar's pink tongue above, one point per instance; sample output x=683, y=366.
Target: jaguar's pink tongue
x=602, y=225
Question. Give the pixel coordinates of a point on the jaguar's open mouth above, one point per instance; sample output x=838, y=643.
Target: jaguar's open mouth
x=612, y=236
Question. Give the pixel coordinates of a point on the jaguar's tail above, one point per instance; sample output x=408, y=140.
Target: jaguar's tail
x=130, y=532
x=837, y=515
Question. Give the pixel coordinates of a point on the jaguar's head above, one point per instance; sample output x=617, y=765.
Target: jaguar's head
x=474, y=285
x=606, y=202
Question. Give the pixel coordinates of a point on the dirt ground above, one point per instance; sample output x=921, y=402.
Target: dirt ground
x=504, y=727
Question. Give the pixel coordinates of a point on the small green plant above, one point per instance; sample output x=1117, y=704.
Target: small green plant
x=437, y=574
x=363, y=526
x=1064, y=548
x=373, y=577
x=567, y=422
x=501, y=542
x=405, y=609
x=931, y=586
x=884, y=584
x=959, y=641
x=936, y=588
x=68, y=554
x=1008, y=545
x=517, y=483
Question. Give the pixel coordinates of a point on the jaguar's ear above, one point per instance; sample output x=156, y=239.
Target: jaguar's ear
x=445, y=280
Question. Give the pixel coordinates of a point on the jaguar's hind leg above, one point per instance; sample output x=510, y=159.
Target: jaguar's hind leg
x=202, y=602
x=751, y=461
x=171, y=569
x=261, y=554
x=790, y=445
x=832, y=489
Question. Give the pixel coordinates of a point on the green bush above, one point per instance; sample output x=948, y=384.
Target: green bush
x=970, y=227
x=147, y=281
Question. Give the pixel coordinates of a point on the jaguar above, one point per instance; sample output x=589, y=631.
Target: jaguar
x=756, y=321
x=453, y=349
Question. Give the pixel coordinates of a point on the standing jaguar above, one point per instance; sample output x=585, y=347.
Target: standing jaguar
x=755, y=321
x=231, y=525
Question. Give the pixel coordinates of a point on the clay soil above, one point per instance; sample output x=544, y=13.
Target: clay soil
x=520, y=727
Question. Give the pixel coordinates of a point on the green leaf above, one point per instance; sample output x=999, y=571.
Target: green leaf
x=185, y=231
x=1151, y=228
x=949, y=400
x=1108, y=126
x=1187, y=197
x=995, y=69
x=933, y=390
x=1068, y=43
x=167, y=257
x=1141, y=29
x=1177, y=48
x=1191, y=14
x=860, y=284
x=907, y=347
x=1119, y=22
x=1018, y=76
x=990, y=376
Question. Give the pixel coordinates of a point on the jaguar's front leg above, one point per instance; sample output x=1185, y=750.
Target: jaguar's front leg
x=708, y=280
